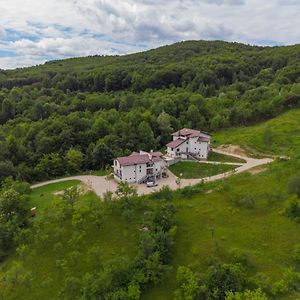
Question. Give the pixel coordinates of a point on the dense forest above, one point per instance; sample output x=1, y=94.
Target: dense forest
x=233, y=239
x=75, y=115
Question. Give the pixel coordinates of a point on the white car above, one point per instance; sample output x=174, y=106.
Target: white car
x=151, y=184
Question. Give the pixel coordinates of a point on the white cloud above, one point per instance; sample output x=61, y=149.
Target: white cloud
x=36, y=30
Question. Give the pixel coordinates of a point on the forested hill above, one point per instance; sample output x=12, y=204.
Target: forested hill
x=187, y=63
x=76, y=114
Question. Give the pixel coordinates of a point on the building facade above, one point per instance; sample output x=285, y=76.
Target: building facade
x=189, y=142
x=139, y=167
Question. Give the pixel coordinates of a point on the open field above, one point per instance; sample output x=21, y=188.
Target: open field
x=43, y=196
x=279, y=136
x=193, y=169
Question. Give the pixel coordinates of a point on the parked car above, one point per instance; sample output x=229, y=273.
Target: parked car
x=151, y=184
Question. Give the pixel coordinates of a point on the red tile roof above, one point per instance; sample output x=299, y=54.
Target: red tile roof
x=157, y=154
x=203, y=139
x=176, y=143
x=138, y=159
x=187, y=132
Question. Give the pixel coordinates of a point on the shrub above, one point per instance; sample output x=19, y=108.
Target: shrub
x=293, y=209
x=246, y=295
x=289, y=283
x=294, y=185
x=296, y=256
x=239, y=257
x=247, y=201
x=225, y=278
x=165, y=193
x=187, y=282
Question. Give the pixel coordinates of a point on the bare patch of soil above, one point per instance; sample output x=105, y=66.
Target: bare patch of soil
x=82, y=188
x=256, y=170
x=233, y=149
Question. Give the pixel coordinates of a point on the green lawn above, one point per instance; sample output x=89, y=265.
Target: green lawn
x=193, y=169
x=43, y=196
x=213, y=156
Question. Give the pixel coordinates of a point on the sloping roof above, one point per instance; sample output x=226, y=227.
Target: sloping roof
x=133, y=159
x=187, y=132
x=203, y=139
x=176, y=143
x=137, y=159
x=157, y=154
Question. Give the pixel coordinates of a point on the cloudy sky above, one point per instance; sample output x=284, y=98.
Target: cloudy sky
x=34, y=31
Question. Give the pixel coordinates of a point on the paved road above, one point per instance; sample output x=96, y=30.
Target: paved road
x=100, y=185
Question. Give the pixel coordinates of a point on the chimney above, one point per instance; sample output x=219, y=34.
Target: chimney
x=150, y=154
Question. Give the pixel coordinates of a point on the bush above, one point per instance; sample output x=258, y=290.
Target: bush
x=294, y=185
x=247, y=295
x=165, y=193
x=225, y=278
x=187, y=281
x=239, y=257
x=293, y=209
x=289, y=283
x=189, y=191
x=247, y=201
x=296, y=256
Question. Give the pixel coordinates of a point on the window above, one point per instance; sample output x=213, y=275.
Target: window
x=172, y=149
x=177, y=149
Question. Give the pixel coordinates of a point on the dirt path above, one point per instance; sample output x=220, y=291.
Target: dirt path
x=250, y=163
x=100, y=185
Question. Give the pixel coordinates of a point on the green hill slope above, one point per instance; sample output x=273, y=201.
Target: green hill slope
x=242, y=220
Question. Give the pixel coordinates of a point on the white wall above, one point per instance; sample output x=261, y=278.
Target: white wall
x=158, y=166
x=134, y=173
x=194, y=145
x=201, y=149
x=170, y=152
x=204, y=150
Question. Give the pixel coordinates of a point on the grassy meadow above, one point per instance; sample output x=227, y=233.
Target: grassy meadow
x=279, y=136
x=193, y=169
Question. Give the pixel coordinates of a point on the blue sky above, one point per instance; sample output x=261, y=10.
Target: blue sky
x=34, y=31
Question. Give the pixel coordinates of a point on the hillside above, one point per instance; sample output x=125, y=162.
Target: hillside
x=100, y=107
x=243, y=219
x=232, y=239
x=240, y=224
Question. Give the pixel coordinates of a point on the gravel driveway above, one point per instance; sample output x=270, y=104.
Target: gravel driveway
x=100, y=185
